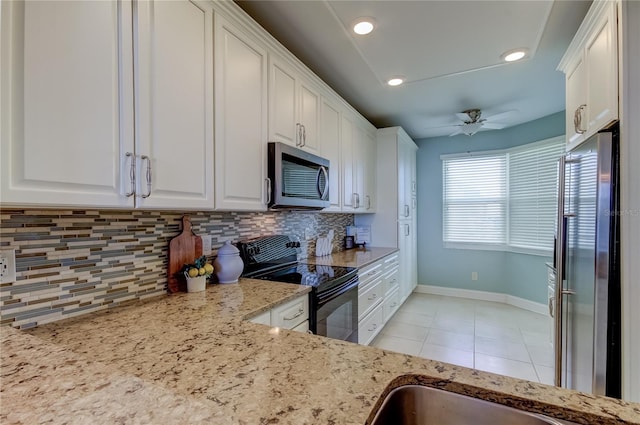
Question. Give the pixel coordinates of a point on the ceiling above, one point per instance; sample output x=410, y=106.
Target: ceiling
x=448, y=51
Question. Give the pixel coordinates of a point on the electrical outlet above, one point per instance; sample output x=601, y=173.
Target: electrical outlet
x=474, y=275
x=206, y=245
x=7, y=265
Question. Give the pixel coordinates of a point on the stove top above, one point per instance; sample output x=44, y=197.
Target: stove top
x=275, y=258
x=307, y=274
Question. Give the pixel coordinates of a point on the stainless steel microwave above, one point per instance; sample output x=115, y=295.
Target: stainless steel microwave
x=297, y=179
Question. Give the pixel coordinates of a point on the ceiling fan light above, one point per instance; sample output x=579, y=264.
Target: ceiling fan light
x=514, y=55
x=363, y=26
x=395, y=81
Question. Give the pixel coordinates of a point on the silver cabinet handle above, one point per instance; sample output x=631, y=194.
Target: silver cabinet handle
x=299, y=135
x=357, y=200
x=132, y=174
x=407, y=210
x=148, y=175
x=268, y=182
x=368, y=202
x=372, y=297
x=407, y=230
x=373, y=327
x=577, y=119
x=304, y=135
x=298, y=314
x=551, y=301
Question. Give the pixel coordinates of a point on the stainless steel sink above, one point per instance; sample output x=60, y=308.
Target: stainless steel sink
x=419, y=405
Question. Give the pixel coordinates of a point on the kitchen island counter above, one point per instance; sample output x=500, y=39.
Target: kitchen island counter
x=194, y=358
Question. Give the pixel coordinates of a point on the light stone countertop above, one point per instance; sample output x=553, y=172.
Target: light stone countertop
x=357, y=257
x=193, y=358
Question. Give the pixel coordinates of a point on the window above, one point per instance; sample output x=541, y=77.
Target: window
x=502, y=200
x=475, y=194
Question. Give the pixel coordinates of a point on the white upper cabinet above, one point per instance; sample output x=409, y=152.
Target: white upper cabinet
x=174, y=104
x=294, y=106
x=591, y=69
x=330, y=142
x=69, y=136
x=367, y=152
x=67, y=103
x=241, y=119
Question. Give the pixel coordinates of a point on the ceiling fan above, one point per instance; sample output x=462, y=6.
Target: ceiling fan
x=472, y=122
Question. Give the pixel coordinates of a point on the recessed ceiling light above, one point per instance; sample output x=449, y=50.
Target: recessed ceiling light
x=363, y=26
x=514, y=55
x=395, y=81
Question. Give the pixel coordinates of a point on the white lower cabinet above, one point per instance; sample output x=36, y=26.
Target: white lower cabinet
x=378, y=296
x=371, y=325
x=292, y=315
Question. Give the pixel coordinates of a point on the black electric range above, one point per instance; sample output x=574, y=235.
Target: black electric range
x=333, y=299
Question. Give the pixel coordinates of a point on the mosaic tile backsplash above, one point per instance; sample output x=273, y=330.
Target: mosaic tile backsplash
x=71, y=262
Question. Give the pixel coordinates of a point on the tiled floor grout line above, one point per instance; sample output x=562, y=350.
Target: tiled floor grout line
x=490, y=312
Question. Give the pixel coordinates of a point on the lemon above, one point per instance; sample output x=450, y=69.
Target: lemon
x=208, y=268
x=193, y=272
x=202, y=271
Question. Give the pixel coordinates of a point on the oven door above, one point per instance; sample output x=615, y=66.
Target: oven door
x=335, y=312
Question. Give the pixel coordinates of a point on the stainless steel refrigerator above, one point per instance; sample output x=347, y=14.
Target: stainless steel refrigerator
x=587, y=259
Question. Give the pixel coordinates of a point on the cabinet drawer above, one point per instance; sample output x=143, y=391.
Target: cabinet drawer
x=370, y=326
x=390, y=262
x=302, y=327
x=391, y=280
x=262, y=318
x=369, y=296
x=391, y=304
x=291, y=314
x=369, y=273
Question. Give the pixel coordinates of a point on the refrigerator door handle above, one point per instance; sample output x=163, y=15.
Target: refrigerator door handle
x=560, y=273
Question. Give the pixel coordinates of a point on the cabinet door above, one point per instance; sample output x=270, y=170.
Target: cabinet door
x=576, y=99
x=348, y=134
x=283, y=93
x=174, y=105
x=368, y=154
x=330, y=142
x=67, y=103
x=241, y=119
x=602, y=72
x=408, y=258
x=309, y=117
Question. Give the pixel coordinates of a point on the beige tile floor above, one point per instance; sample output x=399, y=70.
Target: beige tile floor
x=484, y=335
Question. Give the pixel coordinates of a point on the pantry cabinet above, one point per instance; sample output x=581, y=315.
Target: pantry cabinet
x=77, y=131
x=396, y=161
x=294, y=106
x=241, y=119
x=591, y=71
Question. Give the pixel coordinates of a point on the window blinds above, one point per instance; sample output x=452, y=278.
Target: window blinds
x=502, y=199
x=533, y=172
x=475, y=199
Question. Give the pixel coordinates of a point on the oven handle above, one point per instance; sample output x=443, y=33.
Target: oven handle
x=334, y=293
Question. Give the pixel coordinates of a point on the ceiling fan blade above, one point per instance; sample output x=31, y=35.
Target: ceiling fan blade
x=458, y=131
x=493, y=125
x=463, y=117
x=500, y=116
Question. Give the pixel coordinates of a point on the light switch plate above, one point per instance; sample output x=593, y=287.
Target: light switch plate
x=206, y=245
x=7, y=265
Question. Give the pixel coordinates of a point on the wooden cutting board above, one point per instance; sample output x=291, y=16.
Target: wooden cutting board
x=183, y=249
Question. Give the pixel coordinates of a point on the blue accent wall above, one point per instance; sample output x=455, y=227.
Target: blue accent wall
x=520, y=275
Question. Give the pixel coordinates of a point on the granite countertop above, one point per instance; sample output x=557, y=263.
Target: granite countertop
x=357, y=257
x=194, y=358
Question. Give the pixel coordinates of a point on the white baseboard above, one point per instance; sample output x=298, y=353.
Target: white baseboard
x=484, y=296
